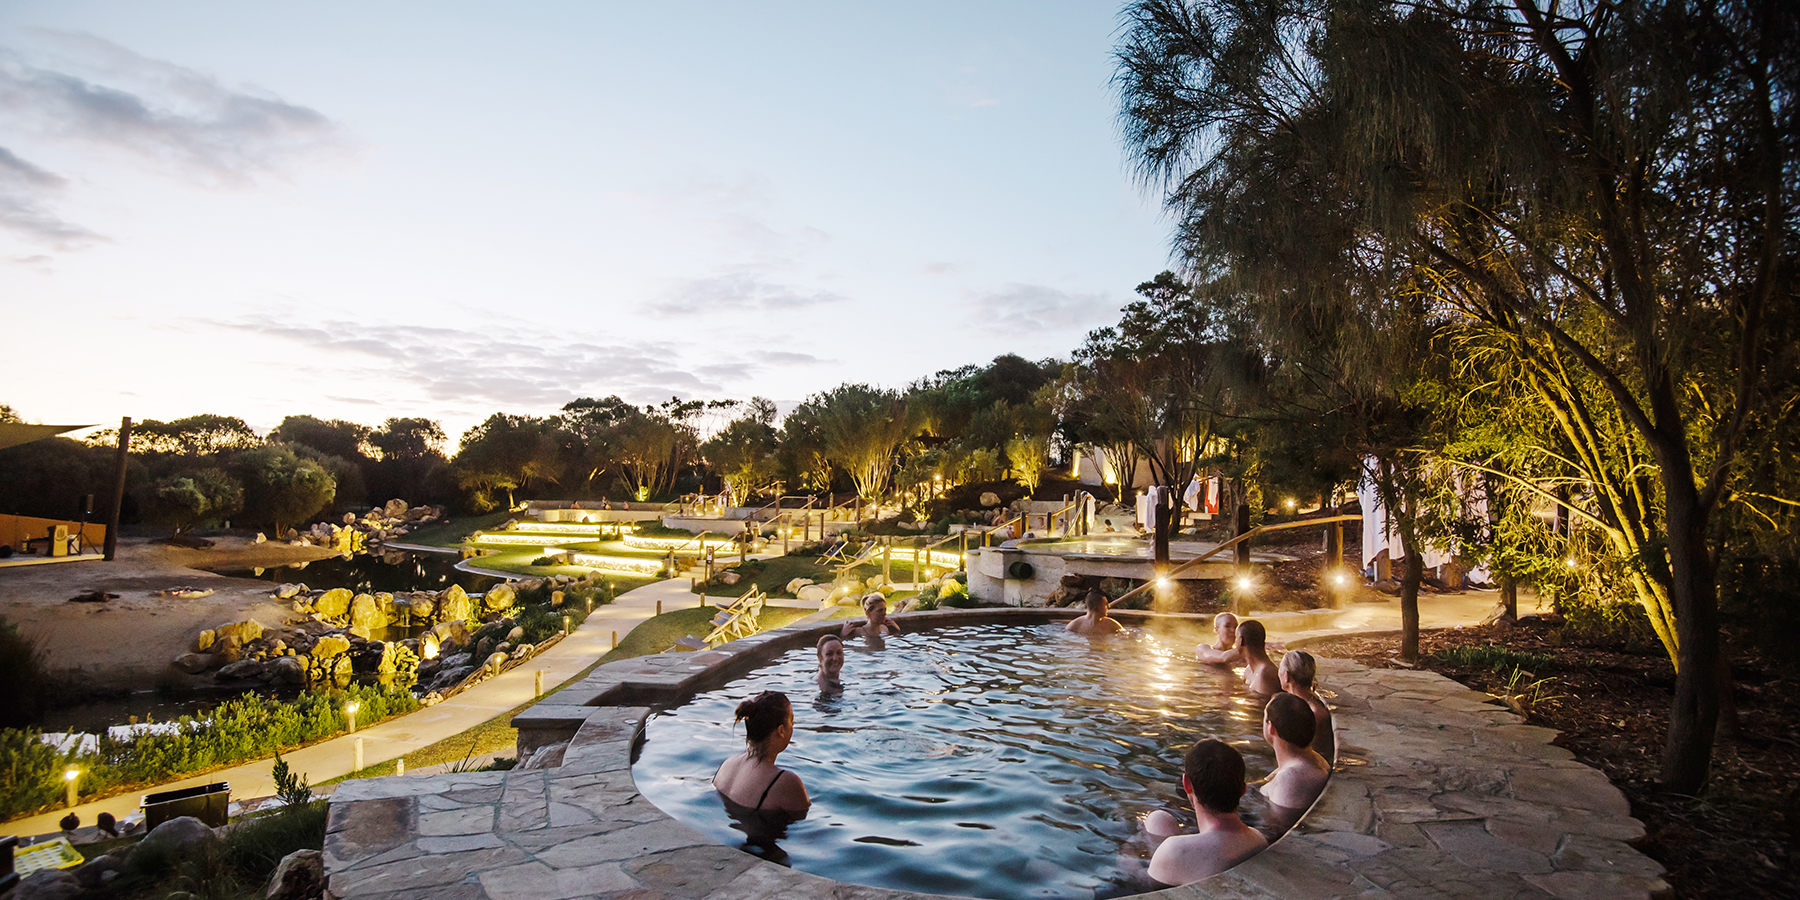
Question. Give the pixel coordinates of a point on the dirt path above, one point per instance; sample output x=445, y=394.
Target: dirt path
x=128, y=642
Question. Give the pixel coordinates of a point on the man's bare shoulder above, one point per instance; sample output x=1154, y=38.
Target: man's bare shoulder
x=1191, y=857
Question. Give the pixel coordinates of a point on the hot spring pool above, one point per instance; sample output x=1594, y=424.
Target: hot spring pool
x=998, y=761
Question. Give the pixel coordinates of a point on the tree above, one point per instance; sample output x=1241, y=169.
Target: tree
x=1573, y=177
x=743, y=451
x=506, y=453
x=281, y=487
x=588, y=426
x=410, y=439
x=184, y=501
x=859, y=428
x=1027, y=453
x=202, y=435
x=345, y=440
x=409, y=453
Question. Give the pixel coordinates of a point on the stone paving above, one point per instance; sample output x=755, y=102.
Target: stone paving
x=1439, y=793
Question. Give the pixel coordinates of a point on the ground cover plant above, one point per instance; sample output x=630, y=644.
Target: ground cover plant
x=248, y=727
x=1610, y=701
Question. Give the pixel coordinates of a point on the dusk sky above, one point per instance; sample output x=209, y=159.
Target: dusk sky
x=364, y=210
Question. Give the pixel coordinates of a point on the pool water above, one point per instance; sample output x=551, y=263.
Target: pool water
x=1002, y=761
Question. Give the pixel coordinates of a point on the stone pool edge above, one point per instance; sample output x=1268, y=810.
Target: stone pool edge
x=1439, y=792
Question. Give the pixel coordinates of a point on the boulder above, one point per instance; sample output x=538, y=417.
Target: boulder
x=333, y=604
x=245, y=631
x=195, y=663
x=349, y=518
x=366, y=614
x=515, y=634
x=287, y=670
x=875, y=582
x=261, y=538
x=204, y=640
x=93, y=873
x=244, y=670
x=229, y=649
x=421, y=604
x=286, y=591
x=729, y=578
x=299, y=876
x=813, y=593
x=499, y=597
x=794, y=586
x=454, y=605
x=394, y=509
x=48, y=884
x=496, y=660
x=990, y=499
x=429, y=645
x=328, y=646
x=178, y=836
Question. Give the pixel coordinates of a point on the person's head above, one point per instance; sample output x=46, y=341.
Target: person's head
x=1290, y=718
x=1214, y=773
x=1298, y=669
x=768, y=722
x=875, y=607
x=1252, y=634
x=1225, y=625
x=1096, y=603
x=831, y=655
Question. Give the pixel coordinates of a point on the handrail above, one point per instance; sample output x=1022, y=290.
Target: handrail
x=1048, y=517
x=1006, y=524
x=1231, y=544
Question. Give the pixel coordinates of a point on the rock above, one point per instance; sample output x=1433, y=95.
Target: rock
x=813, y=593
x=195, y=663
x=204, y=640
x=729, y=577
x=92, y=873
x=394, y=509
x=501, y=596
x=229, y=650
x=989, y=498
x=875, y=582
x=261, y=538
x=516, y=633
x=495, y=661
x=794, y=586
x=243, y=670
x=454, y=605
x=287, y=670
x=421, y=605
x=522, y=651
x=359, y=631
x=556, y=599
x=548, y=756
x=349, y=518
x=429, y=645
x=286, y=591
x=299, y=876
x=366, y=614
x=245, y=631
x=333, y=604
x=48, y=884
x=179, y=836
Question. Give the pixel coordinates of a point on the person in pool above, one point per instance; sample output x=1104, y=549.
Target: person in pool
x=1298, y=671
x=1300, y=772
x=876, y=624
x=1260, y=672
x=751, y=779
x=1225, y=650
x=1212, y=776
x=831, y=663
x=1096, y=621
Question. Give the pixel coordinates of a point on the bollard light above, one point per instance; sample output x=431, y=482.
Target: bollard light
x=350, y=714
x=400, y=766
x=71, y=783
x=1244, y=584
x=565, y=625
x=358, y=761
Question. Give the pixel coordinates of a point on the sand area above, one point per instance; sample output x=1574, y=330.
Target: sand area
x=128, y=642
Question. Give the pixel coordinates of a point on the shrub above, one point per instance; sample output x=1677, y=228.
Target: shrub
x=955, y=594
x=927, y=599
x=22, y=679
x=1606, y=623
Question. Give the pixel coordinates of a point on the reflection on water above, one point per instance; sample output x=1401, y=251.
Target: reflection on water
x=95, y=716
x=394, y=571
x=986, y=761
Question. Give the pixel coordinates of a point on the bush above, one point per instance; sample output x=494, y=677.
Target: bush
x=247, y=727
x=955, y=594
x=1491, y=656
x=22, y=679
x=1623, y=625
x=926, y=600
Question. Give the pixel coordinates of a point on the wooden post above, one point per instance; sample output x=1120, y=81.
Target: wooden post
x=887, y=560
x=786, y=526
x=806, y=531
x=118, y=498
x=915, y=578
x=359, y=757
x=1243, y=547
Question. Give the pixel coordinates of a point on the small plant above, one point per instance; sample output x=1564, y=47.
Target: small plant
x=1493, y=657
x=546, y=561
x=927, y=599
x=1523, y=694
x=291, y=789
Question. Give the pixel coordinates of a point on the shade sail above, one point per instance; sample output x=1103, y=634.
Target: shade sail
x=13, y=434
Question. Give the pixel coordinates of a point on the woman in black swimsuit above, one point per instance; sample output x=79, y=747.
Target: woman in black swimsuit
x=761, y=797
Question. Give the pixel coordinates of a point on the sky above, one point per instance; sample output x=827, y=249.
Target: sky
x=366, y=210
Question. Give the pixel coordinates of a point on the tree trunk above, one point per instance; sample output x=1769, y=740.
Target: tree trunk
x=1409, y=604
x=1687, y=757
x=1509, y=599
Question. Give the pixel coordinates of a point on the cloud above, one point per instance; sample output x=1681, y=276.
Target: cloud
x=737, y=293
x=501, y=368
x=25, y=195
x=183, y=119
x=1021, y=308
x=939, y=268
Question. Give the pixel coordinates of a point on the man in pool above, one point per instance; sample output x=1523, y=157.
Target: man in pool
x=831, y=662
x=1300, y=772
x=1260, y=672
x=1297, y=673
x=1212, y=775
x=876, y=622
x=1096, y=621
x=1225, y=652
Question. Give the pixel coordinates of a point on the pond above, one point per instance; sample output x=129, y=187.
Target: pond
x=368, y=573
x=979, y=760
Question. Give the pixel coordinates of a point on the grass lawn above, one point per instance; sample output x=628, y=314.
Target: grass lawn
x=653, y=635
x=451, y=532
x=782, y=569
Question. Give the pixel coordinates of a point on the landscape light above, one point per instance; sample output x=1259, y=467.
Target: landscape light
x=1570, y=562
x=71, y=774
x=1291, y=503
x=1243, y=584
x=350, y=713
x=1341, y=578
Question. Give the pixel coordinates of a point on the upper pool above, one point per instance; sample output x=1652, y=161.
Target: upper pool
x=1002, y=761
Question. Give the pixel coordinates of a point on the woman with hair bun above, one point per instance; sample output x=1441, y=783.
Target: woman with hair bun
x=751, y=781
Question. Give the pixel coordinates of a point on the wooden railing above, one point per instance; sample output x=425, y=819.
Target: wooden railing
x=1231, y=545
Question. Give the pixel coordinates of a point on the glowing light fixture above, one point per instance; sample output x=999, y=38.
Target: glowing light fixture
x=1244, y=584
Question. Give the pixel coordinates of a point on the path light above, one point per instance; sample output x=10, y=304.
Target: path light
x=1291, y=503
x=1340, y=579
x=71, y=785
x=350, y=712
x=565, y=625
x=1245, y=584
x=1571, y=562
